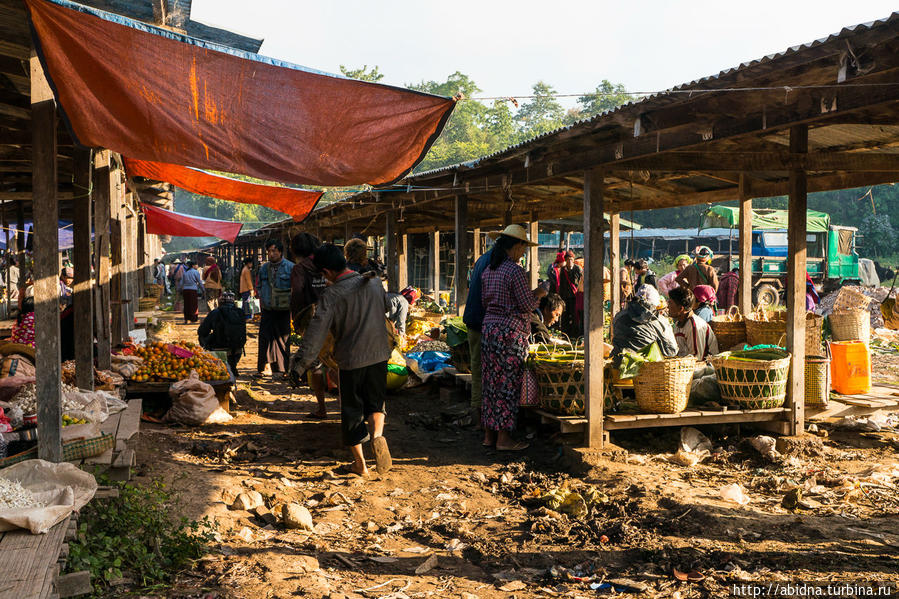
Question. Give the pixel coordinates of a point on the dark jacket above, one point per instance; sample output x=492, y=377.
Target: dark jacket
x=224, y=328
x=352, y=309
x=473, y=317
x=569, y=279
x=634, y=328
x=306, y=284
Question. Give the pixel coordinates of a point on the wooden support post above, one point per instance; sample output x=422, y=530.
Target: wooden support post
x=434, y=254
x=594, y=254
x=796, y=269
x=534, y=251
x=615, y=262
x=48, y=385
x=141, y=255
x=390, y=241
x=116, y=286
x=461, y=270
x=744, y=297
x=20, y=248
x=507, y=216
x=402, y=254
x=83, y=301
x=6, y=280
x=476, y=244
x=103, y=185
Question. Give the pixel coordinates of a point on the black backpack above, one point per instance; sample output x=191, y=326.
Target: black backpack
x=232, y=334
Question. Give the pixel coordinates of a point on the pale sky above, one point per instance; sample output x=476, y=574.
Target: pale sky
x=648, y=45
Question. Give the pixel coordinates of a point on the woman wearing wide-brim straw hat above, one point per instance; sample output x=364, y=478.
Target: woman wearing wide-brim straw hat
x=508, y=304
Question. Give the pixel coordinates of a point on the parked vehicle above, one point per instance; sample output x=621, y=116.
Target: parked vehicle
x=831, y=257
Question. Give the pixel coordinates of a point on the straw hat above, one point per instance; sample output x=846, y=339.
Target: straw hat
x=514, y=231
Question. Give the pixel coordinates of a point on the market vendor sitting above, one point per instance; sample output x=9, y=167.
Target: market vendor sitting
x=694, y=336
x=545, y=316
x=225, y=329
x=706, y=302
x=640, y=324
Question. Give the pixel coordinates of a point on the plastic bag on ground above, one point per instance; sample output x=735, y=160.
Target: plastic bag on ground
x=194, y=403
x=694, y=448
x=734, y=493
x=62, y=488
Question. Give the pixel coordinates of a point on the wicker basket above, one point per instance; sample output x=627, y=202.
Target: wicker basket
x=850, y=299
x=561, y=383
x=753, y=384
x=773, y=331
x=153, y=290
x=146, y=303
x=851, y=325
x=817, y=380
x=663, y=387
x=730, y=330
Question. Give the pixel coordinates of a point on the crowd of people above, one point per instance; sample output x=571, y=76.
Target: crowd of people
x=336, y=298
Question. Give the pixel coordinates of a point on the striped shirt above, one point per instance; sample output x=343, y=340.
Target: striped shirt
x=695, y=338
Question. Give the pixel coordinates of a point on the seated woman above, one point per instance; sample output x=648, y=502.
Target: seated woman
x=546, y=315
x=706, y=302
x=694, y=335
x=640, y=325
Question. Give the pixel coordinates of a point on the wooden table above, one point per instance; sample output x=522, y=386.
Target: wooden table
x=222, y=389
x=119, y=460
x=29, y=562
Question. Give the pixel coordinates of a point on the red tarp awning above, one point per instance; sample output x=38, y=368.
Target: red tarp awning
x=166, y=222
x=297, y=203
x=151, y=94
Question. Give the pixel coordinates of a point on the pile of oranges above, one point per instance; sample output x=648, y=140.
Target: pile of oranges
x=160, y=364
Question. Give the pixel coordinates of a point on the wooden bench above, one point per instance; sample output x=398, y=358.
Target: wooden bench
x=119, y=460
x=30, y=562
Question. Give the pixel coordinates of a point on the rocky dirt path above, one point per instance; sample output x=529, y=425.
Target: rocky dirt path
x=455, y=520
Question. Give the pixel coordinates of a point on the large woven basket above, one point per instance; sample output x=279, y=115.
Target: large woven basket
x=730, y=330
x=850, y=299
x=851, y=325
x=153, y=290
x=753, y=384
x=773, y=331
x=663, y=387
x=560, y=379
x=146, y=303
x=817, y=380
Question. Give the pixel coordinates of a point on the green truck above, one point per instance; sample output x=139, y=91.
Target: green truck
x=831, y=256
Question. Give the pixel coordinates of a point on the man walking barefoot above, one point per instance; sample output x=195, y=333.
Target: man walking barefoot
x=352, y=309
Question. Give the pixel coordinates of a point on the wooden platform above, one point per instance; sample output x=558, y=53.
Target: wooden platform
x=881, y=397
x=30, y=567
x=119, y=460
x=612, y=422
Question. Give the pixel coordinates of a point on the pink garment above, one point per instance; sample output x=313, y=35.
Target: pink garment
x=667, y=282
x=23, y=332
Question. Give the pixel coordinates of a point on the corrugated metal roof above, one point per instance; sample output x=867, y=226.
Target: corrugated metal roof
x=672, y=93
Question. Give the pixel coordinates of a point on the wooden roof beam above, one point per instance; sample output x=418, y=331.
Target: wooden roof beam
x=762, y=161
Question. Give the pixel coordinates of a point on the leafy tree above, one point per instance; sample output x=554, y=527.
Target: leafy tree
x=501, y=124
x=465, y=135
x=607, y=96
x=541, y=114
x=879, y=235
x=363, y=74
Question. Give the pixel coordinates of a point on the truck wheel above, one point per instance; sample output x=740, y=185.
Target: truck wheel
x=766, y=296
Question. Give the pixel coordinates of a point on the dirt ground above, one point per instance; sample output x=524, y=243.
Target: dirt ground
x=455, y=520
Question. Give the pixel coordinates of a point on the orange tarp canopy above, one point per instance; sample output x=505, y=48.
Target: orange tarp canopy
x=166, y=222
x=152, y=94
x=297, y=203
